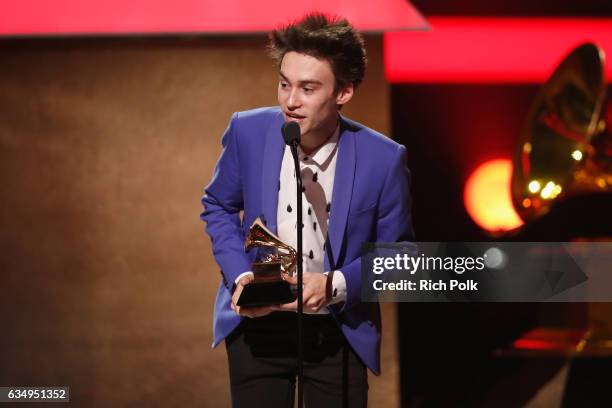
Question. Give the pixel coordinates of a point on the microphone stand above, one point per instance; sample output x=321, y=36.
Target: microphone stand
x=300, y=299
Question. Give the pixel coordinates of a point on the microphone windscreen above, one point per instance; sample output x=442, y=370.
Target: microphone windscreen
x=291, y=133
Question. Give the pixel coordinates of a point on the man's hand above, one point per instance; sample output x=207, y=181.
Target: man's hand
x=248, y=311
x=315, y=293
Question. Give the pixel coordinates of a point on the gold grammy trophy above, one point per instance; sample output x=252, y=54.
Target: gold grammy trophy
x=275, y=261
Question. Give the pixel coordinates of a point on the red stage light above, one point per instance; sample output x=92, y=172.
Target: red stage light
x=489, y=50
x=487, y=196
x=69, y=17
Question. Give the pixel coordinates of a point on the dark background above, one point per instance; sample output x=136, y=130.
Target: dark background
x=449, y=129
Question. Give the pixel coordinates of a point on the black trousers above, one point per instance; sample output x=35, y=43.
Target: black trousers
x=262, y=364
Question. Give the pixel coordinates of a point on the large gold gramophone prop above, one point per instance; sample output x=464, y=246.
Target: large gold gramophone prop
x=564, y=149
x=275, y=261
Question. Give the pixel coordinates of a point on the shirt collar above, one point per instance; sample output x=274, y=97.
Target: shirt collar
x=324, y=152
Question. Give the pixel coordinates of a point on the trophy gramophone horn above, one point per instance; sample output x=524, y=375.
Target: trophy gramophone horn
x=564, y=149
x=275, y=261
x=260, y=236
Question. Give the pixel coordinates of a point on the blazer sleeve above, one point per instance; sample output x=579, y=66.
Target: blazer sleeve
x=222, y=202
x=393, y=224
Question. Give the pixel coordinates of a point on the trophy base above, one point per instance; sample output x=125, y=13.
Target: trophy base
x=266, y=293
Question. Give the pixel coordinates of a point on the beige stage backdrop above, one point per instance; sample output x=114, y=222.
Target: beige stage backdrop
x=108, y=280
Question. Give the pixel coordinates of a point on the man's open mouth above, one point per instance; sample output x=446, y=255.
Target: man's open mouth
x=294, y=116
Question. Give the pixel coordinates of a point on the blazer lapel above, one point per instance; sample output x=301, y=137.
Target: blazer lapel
x=272, y=160
x=341, y=195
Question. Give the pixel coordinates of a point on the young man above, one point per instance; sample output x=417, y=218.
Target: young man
x=356, y=190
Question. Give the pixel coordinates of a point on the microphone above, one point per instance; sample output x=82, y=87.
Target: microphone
x=291, y=133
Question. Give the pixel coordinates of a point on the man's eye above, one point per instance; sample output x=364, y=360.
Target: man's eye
x=308, y=90
x=283, y=85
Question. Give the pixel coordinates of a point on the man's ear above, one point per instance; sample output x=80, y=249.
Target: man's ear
x=345, y=93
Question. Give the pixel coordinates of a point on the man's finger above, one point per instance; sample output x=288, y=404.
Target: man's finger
x=311, y=303
x=305, y=277
x=256, y=311
x=245, y=280
x=287, y=306
x=292, y=307
x=315, y=303
x=291, y=279
x=307, y=294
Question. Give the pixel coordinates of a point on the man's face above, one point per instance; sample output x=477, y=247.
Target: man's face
x=306, y=92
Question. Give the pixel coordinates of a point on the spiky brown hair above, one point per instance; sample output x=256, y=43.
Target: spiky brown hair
x=324, y=37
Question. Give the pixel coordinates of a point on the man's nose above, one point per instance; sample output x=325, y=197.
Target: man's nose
x=293, y=102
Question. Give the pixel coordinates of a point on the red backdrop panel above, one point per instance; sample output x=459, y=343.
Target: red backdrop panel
x=489, y=50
